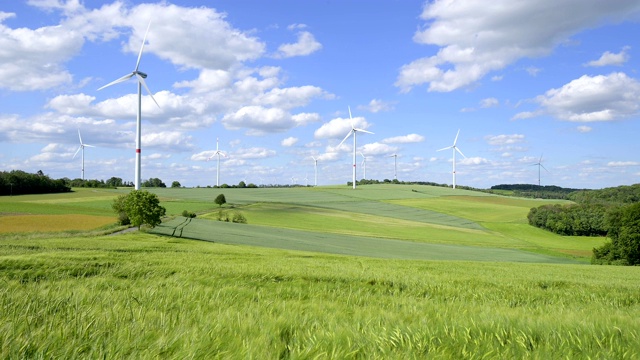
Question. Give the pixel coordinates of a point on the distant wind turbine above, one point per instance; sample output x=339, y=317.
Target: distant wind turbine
x=539, y=163
x=140, y=76
x=364, y=166
x=353, y=131
x=395, y=166
x=455, y=148
x=82, y=146
x=217, y=153
x=315, y=170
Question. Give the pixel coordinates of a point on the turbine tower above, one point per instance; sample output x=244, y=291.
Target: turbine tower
x=82, y=146
x=140, y=76
x=539, y=163
x=353, y=131
x=315, y=170
x=395, y=166
x=364, y=166
x=455, y=148
x=217, y=153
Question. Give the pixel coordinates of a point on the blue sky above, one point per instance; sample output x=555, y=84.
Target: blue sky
x=273, y=80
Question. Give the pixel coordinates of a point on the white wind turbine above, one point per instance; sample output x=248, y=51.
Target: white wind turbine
x=315, y=170
x=217, y=153
x=140, y=76
x=455, y=148
x=539, y=163
x=364, y=166
x=82, y=146
x=353, y=131
x=395, y=166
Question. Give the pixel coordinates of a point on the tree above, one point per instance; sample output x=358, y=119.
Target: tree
x=140, y=207
x=153, y=182
x=220, y=200
x=114, y=182
x=176, y=184
x=624, y=232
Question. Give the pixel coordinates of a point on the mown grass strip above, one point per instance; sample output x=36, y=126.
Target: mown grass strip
x=244, y=234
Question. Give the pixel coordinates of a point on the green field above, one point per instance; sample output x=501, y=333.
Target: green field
x=385, y=271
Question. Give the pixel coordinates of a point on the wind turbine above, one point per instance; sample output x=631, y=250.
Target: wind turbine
x=539, y=163
x=140, y=76
x=455, y=148
x=353, y=131
x=218, y=153
x=315, y=170
x=395, y=166
x=82, y=146
x=364, y=166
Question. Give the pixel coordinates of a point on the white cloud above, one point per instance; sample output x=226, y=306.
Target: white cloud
x=593, y=98
x=406, y=139
x=584, y=129
x=339, y=127
x=36, y=57
x=623, y=163
x=608, y=58
x=476, y=38
x=377, y=149
x=377, y=105
x=288, y=142
x=489, y=102
x=306, y=44
x=474, y=161
x=502, y=140
x=253, y=153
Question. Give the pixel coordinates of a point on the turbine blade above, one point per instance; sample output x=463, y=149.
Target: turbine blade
x=74, y=155
x=349, y=107
x=544, y=167
x=141, y=79
x=448, y=147
x=456, y=139
x=458, y=150
x=362, y=130
x=142, y=46
x=124, y=78
x=87, y=145
x=79, y=137
x=345, y=138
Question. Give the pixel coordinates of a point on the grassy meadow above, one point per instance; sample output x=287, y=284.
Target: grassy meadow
x=388, y=272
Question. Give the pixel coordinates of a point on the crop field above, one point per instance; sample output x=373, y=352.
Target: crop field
x=386, y=272
x=144, y=296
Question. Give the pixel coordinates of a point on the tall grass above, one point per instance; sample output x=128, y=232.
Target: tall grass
x=141, y=296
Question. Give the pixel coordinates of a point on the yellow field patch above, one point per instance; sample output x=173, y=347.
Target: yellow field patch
x=48, y=223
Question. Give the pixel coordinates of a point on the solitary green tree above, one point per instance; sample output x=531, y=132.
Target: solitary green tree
x=175, y=184
x=220, y=200
x=140, y=207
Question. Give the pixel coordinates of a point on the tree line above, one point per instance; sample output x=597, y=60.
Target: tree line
x=612, y=212
x=18, y=182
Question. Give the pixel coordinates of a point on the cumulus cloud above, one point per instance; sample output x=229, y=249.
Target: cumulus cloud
x=609, y=59
x=37, y=57
x=377, y=149
x=376, y=105
x=288, y=142
x=339, y=127
x=590, y=99
x=584, y=129
x=306, y=44
x=476, y=38
x=406, y=139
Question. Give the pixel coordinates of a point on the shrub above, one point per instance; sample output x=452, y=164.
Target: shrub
x=188, y=214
